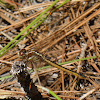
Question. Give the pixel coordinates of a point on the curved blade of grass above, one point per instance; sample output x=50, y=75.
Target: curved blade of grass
x=49, y=91
x=29, y=26
x=36, y=20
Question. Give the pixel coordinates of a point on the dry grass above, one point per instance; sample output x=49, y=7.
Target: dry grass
x=72, y=32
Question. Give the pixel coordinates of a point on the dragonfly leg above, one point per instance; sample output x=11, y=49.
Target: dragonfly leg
x=34, y=65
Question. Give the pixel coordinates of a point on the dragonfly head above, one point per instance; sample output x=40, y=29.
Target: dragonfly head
x=22, y=53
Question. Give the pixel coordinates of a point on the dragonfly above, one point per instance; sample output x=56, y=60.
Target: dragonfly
x=36, y=57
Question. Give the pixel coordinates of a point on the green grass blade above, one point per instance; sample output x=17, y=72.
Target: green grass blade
x=20, y=39
x=92, y=57
x=29, y=26
x=5, y=77
x=54, y=95
x=49, y=91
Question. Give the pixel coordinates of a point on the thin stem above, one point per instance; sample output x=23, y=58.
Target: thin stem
x=29, y=26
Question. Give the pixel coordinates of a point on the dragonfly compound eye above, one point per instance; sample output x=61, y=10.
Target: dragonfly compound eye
x=22, y=52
